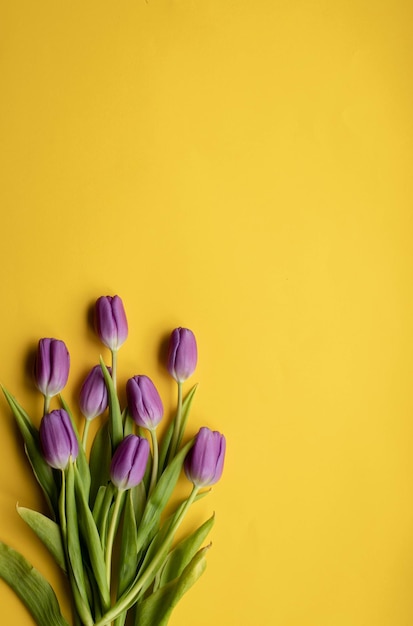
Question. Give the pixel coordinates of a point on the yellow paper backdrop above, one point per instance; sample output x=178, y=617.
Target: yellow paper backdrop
x=244, y=169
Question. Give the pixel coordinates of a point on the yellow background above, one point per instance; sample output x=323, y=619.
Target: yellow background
x=242, y=168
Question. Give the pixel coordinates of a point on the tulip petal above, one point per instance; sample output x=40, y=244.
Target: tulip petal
x=205, y=462
x=182, y=354
x=144, y=402
x=111, y=322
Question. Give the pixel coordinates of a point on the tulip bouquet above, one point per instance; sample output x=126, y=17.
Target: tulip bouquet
x=113, y=498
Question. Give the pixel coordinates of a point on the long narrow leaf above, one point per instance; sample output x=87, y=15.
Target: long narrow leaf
x=157, y=608
x=22, y=414
x=166, y=439
x=115, y=416
x=91, y=539
x=129, y=546
x=186, y=407
x=81, y=461
x=100, y=459
x=73, y=542
x=160, y=496
x=183, y=553
x=164, y=448
x=97, y=507
x=31, y=587
x=102, y=521
x=41, y=470
x=48, y=532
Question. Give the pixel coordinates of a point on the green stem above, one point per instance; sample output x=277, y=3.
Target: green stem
x=62, y=509
x=130, y=596
x=46, y=404
x=177, y=425
x=111, y=535
x=155, y=461
x=114, y=366
x=85, y=433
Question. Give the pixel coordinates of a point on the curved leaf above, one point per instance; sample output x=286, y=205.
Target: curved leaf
x=183, y=553
x=186, y=407
x=115, y=416
x=160, y=496
x=100, y=459
x=73, y=545
x=31, y=587
x=90, y=535
x=157, y=608
x=48, y=531
x=166, y=439
x=129, y=546
x=41, y=470
x=81, y=461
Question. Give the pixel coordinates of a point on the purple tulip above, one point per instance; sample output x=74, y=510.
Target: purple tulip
x=205, y=460
x=52, y=364
x=129, y=462
x=93, y=399
x=144, y=402
x=58, y=439
x=111, y=322
x=182, y=356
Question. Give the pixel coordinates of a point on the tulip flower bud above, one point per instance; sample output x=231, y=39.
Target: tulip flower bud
x=182, y=355
x=93, y=398
x=205, y=460
x=111, y=322
x=58, y=439
x=129, y=462
x=51, y=369
x=144, y=402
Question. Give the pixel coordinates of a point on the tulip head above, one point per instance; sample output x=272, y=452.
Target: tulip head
x=182, y=354
x=205, y=460
x=111, y=322
x=144, y=402
x=129, y=462
x=58, y=439
x=51, y=369
x=93, y=398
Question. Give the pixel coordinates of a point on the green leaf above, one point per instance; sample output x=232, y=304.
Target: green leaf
x=186, y=407
x=97, y=507
x=128, y=423
x=129, y=546
x=102, y=519
x=115, y=416
x=183, y=553
x=81, y=461
x=48, y=532
x=31, y=587
x=160, y=496
x=100, y=460
x=160, y=545
x=166, y=440
x=73, y=543
x=41, y=469
x=164, y=448
x=91, y=539
x=20, y=414
x=159, y=538
x=157, y=608
x=139, y=501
